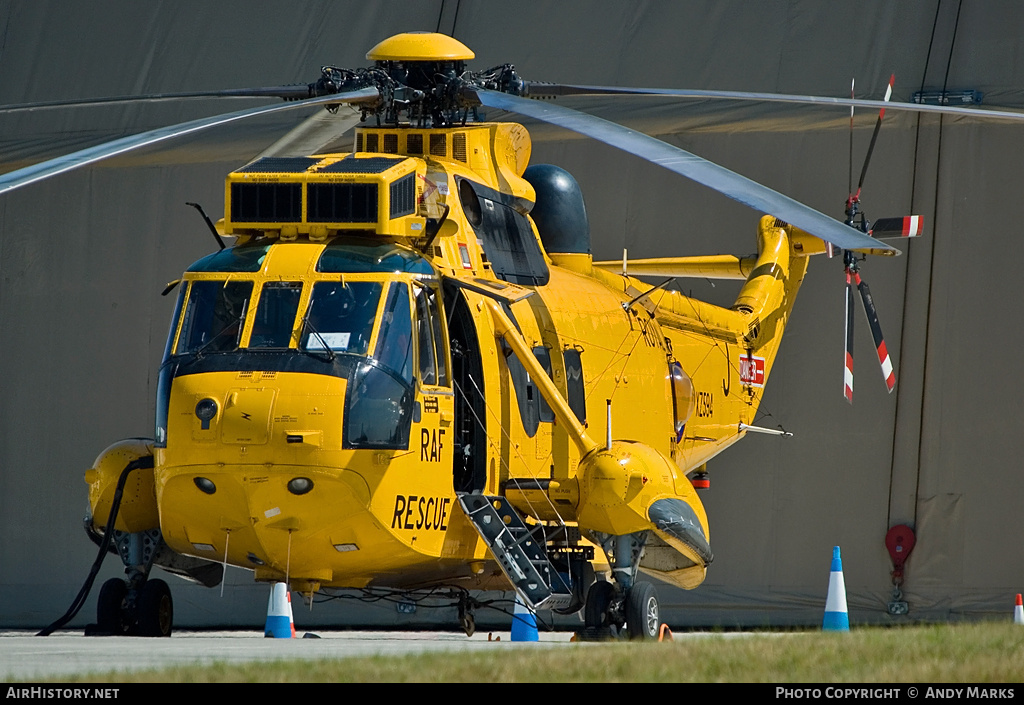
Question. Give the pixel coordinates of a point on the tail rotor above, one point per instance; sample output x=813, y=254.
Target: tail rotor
x=908, y=226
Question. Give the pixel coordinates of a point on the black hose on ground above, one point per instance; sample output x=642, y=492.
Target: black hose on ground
x=143, y=462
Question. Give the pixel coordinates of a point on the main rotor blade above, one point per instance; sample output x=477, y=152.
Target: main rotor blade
x=677, y=160
x=536, y=89
x=67, y=162
x=853, y=82
x=295, y=92
x=313, y=134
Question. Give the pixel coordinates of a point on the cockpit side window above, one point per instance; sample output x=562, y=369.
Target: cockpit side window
x=168, y=348
x=379, y=400
x=341, y=316
x=429, y=333
x=275, y=315
x=214, y=316
x=394, y=343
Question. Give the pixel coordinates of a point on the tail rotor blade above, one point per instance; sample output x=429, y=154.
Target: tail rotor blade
x=848, y=370
x=876, y=333
x=850, y=174
x=907, y=226
x=874, y=135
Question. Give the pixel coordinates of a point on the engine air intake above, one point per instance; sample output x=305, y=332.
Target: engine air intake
x=321, y=196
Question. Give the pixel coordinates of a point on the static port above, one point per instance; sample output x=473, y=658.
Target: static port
x=300, y=485
x=205, y=485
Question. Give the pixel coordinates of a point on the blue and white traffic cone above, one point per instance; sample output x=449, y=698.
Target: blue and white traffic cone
x=837, y=618
x=280, y=623
x=524, y=623
x=1018, y=611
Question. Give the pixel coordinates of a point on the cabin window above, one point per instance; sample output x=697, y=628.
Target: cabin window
x=533, y=409
x=574, y=384
x=275, y=315
x=214, y=315
x=683, y=397
x=341, y=316
x=544, y=412
x=524, y=390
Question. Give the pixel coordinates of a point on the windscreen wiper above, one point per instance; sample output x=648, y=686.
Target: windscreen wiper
x=330, y=352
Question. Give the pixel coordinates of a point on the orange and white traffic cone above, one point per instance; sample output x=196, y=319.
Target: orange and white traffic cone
x=1018, y=611
x=280, y=623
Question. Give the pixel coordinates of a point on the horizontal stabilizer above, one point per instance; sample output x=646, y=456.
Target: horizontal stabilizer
x=702, y=267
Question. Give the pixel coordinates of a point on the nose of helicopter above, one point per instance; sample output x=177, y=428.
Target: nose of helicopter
x=282, y=521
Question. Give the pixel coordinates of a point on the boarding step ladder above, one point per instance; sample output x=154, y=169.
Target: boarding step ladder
x=522, y=557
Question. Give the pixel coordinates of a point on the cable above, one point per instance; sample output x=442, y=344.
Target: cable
x=454, y=592
x=79, y=601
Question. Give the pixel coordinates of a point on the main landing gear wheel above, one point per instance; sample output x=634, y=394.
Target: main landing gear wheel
x=643, y=613
x=155, y=609
x=110, y=614
x=466, y=619
x=468, y=624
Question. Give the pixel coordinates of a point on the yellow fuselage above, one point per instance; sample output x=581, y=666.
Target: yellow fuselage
x=244, y=420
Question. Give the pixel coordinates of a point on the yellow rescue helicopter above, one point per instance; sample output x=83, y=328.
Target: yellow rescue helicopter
x=407, y=371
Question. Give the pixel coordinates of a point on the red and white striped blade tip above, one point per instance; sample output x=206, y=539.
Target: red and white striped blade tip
x=887, y=369
x=907, y=226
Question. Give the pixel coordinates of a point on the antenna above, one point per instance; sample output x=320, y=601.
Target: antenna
x=608, y=439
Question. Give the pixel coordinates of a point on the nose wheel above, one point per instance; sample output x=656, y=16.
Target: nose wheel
x=110, y=608
x=154, y=609
x=124, y=611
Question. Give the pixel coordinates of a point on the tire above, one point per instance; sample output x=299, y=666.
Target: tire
x=596, y=610
x=468, y=623
x=155, y=609
x=643, y=612
x=110, y=617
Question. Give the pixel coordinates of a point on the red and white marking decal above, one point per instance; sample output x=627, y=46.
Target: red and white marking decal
x=912, y=225
x=752, y=370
